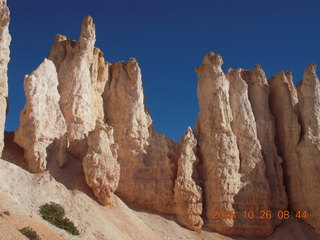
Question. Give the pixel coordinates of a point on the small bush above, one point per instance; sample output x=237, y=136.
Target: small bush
x=54, y=213
x=30, y=233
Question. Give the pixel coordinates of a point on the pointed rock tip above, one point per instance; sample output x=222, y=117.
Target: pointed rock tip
x=88, y=30
x=60, y=37
x=212, y=59
x=188, y=135
x=311, y=68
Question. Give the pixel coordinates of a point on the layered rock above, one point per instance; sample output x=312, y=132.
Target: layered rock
x=102, y=171
x=283, y=101
x=5, y=40
x=147, y=159
x=254, y=194
x=41, y=120
x=187, y=194
x=217, y=143
x=259, y=92
x=82, y=75
x=307, y=195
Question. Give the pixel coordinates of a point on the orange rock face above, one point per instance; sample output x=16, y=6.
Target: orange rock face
x=231, y=166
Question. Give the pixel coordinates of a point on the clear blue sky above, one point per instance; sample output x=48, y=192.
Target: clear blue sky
x=169, y=39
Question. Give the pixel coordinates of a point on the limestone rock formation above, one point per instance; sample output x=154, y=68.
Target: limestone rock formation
x=147, y=158
x=283, y=101
x=82, y=75
x=255, y=192
x=307, y=195
x=5, y=40
x=217, y=143
x=187, y=194
x=41, y=120
x=102, y=171
x=258, y=92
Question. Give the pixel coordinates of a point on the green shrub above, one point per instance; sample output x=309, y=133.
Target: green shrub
x=54, y=213
x=30, y=233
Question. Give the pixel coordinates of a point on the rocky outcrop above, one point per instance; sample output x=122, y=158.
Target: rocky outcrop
x=217, y=143
x=82, y=75
x=102, y=171
x=41, y=120
x=5, y=40
x=283, y=101
x=96, y=110
x=147, y=158
x=259, y=97
x=255, y=194
x=233, y=168
x=187, y=194
x=307, y=195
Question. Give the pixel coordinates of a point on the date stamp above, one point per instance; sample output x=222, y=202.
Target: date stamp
x=260, y=215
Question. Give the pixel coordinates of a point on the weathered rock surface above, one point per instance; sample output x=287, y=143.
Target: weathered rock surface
x=187, y=194
x=254, y=194
x=147, y=158
x=5, y=40
x=258, y=92
x=102, y=171
x=283, y=101
x=245, y=128
x=217, y=143
x=41, y=120
x=307, y=195
x=82, y=75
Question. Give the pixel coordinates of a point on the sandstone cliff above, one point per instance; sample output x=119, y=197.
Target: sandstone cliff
x=5, y=40
x=309, y=148
x=100, y=165
x=82, y=74
x=41, y=120
x=147, y=158
x=246, y=130
x=187, y=194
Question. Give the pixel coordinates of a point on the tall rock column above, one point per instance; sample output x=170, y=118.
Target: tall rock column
x=41, y=120
x=147, y=159
x=5, y=40
x=309, y=148
x=187, y=194
x=259, y=94
x=82, y=75
x=101, y=169
x=283, y=101
x=217, y=144
x=255, y=192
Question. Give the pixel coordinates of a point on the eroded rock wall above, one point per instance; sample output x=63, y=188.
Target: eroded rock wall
x=82, y=75
x=259, y=97
x=217, y=143
x=100, y=165
x=5, y=40
x=147, y=158
x=187, y=194
x=41, y=120
x=307, y=195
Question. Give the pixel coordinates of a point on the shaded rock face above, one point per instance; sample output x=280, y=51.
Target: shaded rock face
x=283, y=100
x=82, y=74
x=102, y=171
x=233, y=169
x=147, y=158
x=41, y=120
x=259, y=97
x=217, y=143
x=187, y=194
x=307, y=195
x=5, y=40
